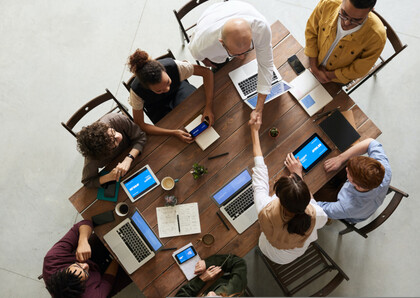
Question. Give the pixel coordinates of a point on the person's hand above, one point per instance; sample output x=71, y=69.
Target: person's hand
x=200, y=267
x=208, y=63
x=83, y=251
x=321, y=75
x=124, y=166
x=293, y=165
x=210, y=273
x=255, y=124
x=333, y=164
x=114, y=175
x=254, y=115
x=183, y=136
x=208, y=115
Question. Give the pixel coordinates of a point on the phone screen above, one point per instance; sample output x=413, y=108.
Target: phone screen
x=185, y=255
x=296, y=64
x=199, y=129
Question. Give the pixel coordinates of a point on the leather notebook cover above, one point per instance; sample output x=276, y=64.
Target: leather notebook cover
x=339, y=130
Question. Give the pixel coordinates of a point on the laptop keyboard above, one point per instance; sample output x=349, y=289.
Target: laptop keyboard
x=133, y=242
x=249, y=85
x=241, y=203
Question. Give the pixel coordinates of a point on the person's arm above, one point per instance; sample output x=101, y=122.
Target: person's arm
x=293, y=165
x=83, y=250
x=334, y=210
x=319, y=73
x=257, y=113
x=335, y=163
x=208, y=82
x=107, y=280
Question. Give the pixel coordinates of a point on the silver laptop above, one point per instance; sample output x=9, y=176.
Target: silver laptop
x=245, y=80
x=236, y=202
x=133, y=242
x=140, y=183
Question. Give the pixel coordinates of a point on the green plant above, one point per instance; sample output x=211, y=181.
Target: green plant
x=198, y=171
x=274, y=132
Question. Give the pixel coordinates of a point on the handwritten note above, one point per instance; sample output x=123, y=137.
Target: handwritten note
x=189, y=220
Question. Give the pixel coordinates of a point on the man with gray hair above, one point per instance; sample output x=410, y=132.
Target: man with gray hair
x=231, y=30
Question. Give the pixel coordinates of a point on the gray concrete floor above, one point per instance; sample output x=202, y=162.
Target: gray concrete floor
x=55, y=56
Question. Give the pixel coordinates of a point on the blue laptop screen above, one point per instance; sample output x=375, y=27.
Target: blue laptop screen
x=146, y=231
x=233, y=186
x=311, y=152
x=140, y=183
x=276, y=89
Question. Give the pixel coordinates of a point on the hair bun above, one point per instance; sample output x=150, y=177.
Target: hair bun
x=137, y=60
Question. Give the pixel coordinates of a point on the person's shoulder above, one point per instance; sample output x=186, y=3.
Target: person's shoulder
x=329, y=4
x=376, y=27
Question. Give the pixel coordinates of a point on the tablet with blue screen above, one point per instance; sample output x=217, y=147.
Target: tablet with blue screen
x=311, y=152
x=140, y=183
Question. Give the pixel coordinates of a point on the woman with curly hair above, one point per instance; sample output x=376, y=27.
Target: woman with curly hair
x=103, y=141
x=161, y=85
x=290, y=218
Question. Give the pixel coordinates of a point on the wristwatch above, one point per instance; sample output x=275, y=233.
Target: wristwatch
x=131, y=156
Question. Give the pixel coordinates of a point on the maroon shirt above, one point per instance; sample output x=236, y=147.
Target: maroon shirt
x=63, y=254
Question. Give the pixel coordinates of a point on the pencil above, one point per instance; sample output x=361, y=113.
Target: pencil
x=177, y=218
x=227, y=227
x=219, y=155
x=168, y=248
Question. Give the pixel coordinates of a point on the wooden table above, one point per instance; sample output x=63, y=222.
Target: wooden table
x=168, y=156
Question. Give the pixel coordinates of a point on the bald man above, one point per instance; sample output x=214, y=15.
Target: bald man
x=231, y=30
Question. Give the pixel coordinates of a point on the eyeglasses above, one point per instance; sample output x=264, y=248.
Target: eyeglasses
x=343, y=15
x=236, y=55
x=77, y=264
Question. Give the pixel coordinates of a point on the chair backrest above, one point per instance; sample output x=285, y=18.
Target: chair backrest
x=397, y=45
x=127, y=84
x=303, y=271
x=381, y=218
x=89, y=106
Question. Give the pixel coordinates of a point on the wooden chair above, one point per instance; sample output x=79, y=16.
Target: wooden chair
x=396, y=45
x=380, y=219
x=127, y=84
x=75, y=118
x=303, y=271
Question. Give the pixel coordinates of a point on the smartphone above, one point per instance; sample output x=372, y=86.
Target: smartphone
x=199, y=129
x=185, y=255
x=296, y=64
x=109, y=189
x=103, y=218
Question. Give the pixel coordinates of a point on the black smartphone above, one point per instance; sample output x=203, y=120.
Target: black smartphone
x=109, y=189
x=296, y=64
x=185, y=255
x=199, y=129
x=103, y=218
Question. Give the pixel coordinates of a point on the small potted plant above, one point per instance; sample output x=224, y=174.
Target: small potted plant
x=274, y=132
x=198, y=171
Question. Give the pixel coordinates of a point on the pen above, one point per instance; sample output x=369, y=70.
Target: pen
x=219, y=155
x=177, y=218
x=218, y=215
x=326, y=113
x=168, y=248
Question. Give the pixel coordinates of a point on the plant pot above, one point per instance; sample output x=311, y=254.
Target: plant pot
x=273, y=132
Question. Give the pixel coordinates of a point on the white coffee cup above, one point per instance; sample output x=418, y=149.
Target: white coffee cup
x=168, y=183
x=122, y=209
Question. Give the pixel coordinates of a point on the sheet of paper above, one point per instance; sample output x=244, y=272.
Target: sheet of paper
x=206, y=138
x=189, y=266
x=189, y=220
x=303, y=84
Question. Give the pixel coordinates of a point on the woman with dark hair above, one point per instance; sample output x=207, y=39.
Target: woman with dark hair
x=161, y=85
x=290, y=218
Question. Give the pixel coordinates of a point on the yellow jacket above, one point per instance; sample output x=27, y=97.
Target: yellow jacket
x=355, y=54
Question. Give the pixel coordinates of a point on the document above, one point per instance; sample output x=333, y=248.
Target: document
x=178, y=220
x=206, y=138
x=309, y=92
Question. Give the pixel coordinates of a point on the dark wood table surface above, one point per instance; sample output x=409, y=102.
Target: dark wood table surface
x=168, y=156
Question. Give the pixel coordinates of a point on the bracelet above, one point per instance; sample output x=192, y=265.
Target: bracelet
x=131, y=156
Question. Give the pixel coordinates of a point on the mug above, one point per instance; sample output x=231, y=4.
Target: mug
x=168, y=183
x=207, y=239
x=121, y=209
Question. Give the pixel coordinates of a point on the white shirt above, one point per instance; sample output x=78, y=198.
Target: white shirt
x=339, y=35
x=261, y=199
x=205, y=39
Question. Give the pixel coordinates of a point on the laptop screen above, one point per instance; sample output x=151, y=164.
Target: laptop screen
x=147, y=232
x=140, y=183
x=232, y=187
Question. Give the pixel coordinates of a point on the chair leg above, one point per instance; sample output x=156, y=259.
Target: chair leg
x=345, y=231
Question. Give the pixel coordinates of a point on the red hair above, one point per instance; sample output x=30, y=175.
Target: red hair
x=366, y=172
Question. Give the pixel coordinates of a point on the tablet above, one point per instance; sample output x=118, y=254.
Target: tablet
x=140, y=183
x=311, y=152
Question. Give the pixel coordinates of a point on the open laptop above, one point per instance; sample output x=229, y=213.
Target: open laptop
x=236, y=201
x=133, y=242
x=245, y=80
x=140, y=183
